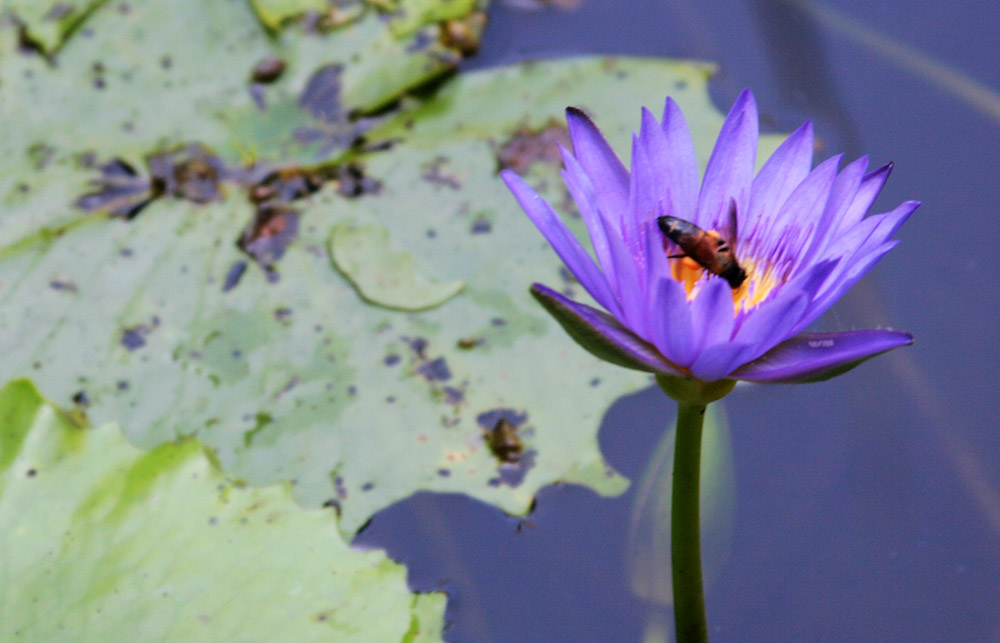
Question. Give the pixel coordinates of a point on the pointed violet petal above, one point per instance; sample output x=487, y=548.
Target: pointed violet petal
x=842, y=193
x=808, y=200
x=601, y=334
x=871, y=232
x=600, y=162
x=729, y=172
x=646, y=204
x=630, y=295
x=562, y=241
x=869, y=189
x=668, y=178
x=585, y=197
x=784, y=170
x=671, y=322
x=642, y=203
x=858, y=252
x=841, y=281
x=811, y=357
x=683, y=162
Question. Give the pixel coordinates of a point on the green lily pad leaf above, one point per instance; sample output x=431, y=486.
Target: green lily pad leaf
x=132, y=64
x=411, y=15
x=273, y=12
x=649, y=531
x=280, y=367
x=383, y=275
x=48, y=23
x=102, y=538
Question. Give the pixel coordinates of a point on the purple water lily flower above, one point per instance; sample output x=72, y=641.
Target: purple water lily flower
x=801, y=236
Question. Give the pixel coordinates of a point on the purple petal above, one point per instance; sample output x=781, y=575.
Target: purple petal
x=646, y=205
x=777, y=318
x=683, y=171
x=784, y=170
x=673, y=179
x=671, y=322
x=716, y=362
x=844, y=189
x=858, y=252
x=629, y=293
x=870, y=186
x=729, y=172
x=601, y=334
x=817, y=356
x=562, y=241
x=711, y=319
x=642, y=204
x=600, y=162
x=808, y=200
x=841, y=281
x=585, y=197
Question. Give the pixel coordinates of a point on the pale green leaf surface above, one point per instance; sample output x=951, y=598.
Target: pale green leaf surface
x=383, y=275
x=103, y=542
x=48, y=22
x=273, y=12
x=139, y=83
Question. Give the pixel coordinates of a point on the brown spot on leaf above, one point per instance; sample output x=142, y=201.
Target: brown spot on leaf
x=268, y=70
x=274, y=226
x=531, y=146
x=191, y=172
x=504, y=442
x=464, y=34
x=433, y=173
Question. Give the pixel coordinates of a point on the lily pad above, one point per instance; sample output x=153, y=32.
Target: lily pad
x=47, y=23
x=106, y=542
x=286, y=372
x=383, y=275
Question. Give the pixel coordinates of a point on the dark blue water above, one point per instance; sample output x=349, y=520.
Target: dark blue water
x=868, y=507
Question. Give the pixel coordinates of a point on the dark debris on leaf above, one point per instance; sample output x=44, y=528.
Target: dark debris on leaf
x=321, y=97
x=453, y=396
x=134, y=338
x=274, y=226
x=64, y=284
x=268, y=70
x=234, y=275
x=191, y=172
x=512, y=474
x=121, y=191
x=528, y=146
x=464, y=35
x=433, y=173
x=481, y=225
x=352, y=181
x=504, y=441
x=435, y=370
x=489, y=419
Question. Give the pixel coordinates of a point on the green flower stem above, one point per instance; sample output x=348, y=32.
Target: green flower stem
x=685, y=526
